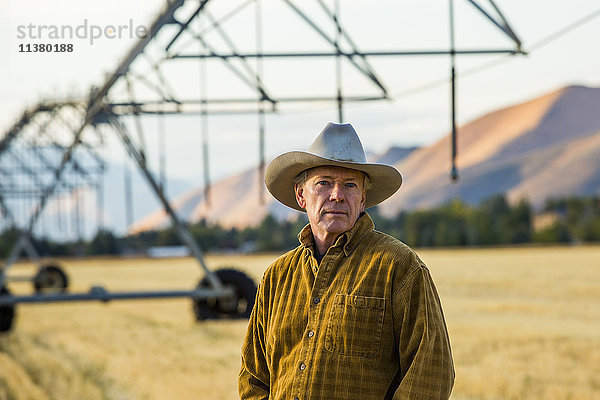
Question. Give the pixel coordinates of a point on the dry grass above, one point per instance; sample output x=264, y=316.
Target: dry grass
x=524, y=324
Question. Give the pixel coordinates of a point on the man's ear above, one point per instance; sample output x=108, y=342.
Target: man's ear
x=299, y=189
x=363, y=201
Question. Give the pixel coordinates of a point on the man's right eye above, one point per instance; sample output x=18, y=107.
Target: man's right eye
x=322, y=183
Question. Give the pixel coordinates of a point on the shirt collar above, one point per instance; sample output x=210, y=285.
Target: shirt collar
x=349, y=239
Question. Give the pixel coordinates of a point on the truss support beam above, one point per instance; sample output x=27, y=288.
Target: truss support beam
x=23, y=243
x=165, y=17
x=332, y=42
x=342, y=32
x=180, y=228
x=502, y=24
x=184, y=25
x=166, y=107
x=26, y=117
x=351, y=55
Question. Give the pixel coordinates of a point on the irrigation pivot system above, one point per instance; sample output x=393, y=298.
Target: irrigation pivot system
x=54, y=147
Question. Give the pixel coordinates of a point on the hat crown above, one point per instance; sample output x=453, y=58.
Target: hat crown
x=338, y=142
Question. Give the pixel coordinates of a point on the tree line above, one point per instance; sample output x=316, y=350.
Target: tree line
x=493, y=222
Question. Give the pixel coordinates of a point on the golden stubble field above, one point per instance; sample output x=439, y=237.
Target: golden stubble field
x=524, y=324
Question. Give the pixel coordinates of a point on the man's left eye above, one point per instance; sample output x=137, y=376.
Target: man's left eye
x=351, y=184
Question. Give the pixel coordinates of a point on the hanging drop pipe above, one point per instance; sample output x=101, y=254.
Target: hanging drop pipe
x=162, y=146
x=100, y=201
x=204, y=126
x=261, y=108
x=77, y=219
x=205, y=155
x=205, y=161
x=454, y=171
x=338, y=61
x=261, y=167
x=128, y=196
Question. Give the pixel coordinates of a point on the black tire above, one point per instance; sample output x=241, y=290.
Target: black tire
x=7, y=312
x=50, y=279
x=239, y=307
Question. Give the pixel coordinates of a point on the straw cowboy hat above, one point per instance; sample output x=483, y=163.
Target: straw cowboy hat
x=337, y=145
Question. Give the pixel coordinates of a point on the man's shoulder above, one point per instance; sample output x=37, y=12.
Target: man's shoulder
x=392, y=251
x=381, y=241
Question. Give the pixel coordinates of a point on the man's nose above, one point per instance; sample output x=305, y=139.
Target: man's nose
x=337, y=192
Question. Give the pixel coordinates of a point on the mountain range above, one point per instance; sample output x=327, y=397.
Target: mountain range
x=543, y=148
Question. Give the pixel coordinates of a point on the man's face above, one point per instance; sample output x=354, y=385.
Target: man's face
x=333, y=198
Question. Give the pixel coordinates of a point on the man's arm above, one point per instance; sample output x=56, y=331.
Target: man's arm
x=253, y=380
x=426, y=366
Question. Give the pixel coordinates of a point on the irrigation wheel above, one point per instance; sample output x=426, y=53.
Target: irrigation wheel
x=239, y=307
x=50, y=279
x=7, y=312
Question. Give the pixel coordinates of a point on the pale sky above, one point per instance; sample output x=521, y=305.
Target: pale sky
x=412, y=117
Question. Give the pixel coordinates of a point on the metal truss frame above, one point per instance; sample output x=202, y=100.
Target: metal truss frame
x=100, y=108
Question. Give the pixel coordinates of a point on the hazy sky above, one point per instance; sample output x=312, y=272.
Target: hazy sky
x=413, y=117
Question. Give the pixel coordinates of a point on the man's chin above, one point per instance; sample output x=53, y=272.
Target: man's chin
x=335, y=226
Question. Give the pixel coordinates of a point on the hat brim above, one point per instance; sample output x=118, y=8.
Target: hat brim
x=279, y=177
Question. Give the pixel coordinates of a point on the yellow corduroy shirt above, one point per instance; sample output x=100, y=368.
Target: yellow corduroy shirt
x=366, y=323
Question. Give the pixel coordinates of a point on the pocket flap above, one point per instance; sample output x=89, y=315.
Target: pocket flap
x=377, y=303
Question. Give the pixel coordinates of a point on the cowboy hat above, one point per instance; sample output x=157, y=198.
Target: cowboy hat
x=337, y=145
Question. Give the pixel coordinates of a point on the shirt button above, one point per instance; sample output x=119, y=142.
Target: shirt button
x=316, y=300
x=311, y=334
x=302, y=367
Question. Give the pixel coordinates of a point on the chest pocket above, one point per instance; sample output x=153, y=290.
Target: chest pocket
x=355, y=325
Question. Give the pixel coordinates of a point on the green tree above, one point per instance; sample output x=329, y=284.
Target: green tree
x=104, y=242
x=518, y=223
x=449, y=225
x=555, y=233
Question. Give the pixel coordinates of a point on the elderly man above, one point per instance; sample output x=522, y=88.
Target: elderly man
x=351, y=313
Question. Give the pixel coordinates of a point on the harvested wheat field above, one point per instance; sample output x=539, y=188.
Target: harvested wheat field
x=524, y=324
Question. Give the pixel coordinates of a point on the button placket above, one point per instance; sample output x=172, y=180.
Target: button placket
x=314, y=311
x=314, y=316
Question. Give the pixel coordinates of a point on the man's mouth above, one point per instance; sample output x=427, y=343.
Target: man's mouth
x=334, y=212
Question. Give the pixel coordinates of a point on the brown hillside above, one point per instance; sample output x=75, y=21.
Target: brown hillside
x=501, y=151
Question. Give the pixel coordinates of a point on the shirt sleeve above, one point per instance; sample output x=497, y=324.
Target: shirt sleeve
x=426, y=366
x=254, y=378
